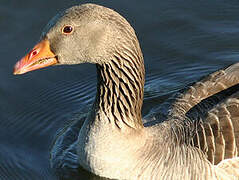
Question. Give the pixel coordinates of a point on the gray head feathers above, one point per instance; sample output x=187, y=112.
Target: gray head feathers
x=99, y=33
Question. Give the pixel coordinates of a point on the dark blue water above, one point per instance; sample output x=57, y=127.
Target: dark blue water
x=182, y=40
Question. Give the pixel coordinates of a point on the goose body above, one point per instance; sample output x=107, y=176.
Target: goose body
x=197, y=138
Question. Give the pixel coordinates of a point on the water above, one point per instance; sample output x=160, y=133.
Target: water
x=181, y=41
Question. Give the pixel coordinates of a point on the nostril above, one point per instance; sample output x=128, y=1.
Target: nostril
x=34, y=53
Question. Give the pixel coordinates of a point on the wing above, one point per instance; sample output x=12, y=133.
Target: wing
x=214, y=103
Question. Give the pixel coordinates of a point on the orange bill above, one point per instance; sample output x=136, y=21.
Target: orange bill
x=39, y=57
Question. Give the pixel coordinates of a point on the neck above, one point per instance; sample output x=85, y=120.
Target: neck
x=120, y=91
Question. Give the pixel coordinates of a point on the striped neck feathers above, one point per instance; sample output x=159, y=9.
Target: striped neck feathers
x=120, y=90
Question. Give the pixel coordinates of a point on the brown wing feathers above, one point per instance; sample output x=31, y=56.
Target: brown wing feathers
x=214, y=103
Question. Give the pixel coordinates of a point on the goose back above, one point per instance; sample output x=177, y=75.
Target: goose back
x=212, y=103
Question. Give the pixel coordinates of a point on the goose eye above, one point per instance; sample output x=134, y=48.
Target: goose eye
x=67, y=29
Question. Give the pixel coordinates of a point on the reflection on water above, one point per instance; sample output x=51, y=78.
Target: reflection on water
x=181, y=42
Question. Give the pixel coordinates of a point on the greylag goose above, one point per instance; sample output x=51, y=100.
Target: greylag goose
x=197, y=139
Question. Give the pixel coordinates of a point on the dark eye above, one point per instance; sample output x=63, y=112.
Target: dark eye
x=67, y=29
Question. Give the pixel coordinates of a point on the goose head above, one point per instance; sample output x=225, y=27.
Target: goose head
x=86, y=33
